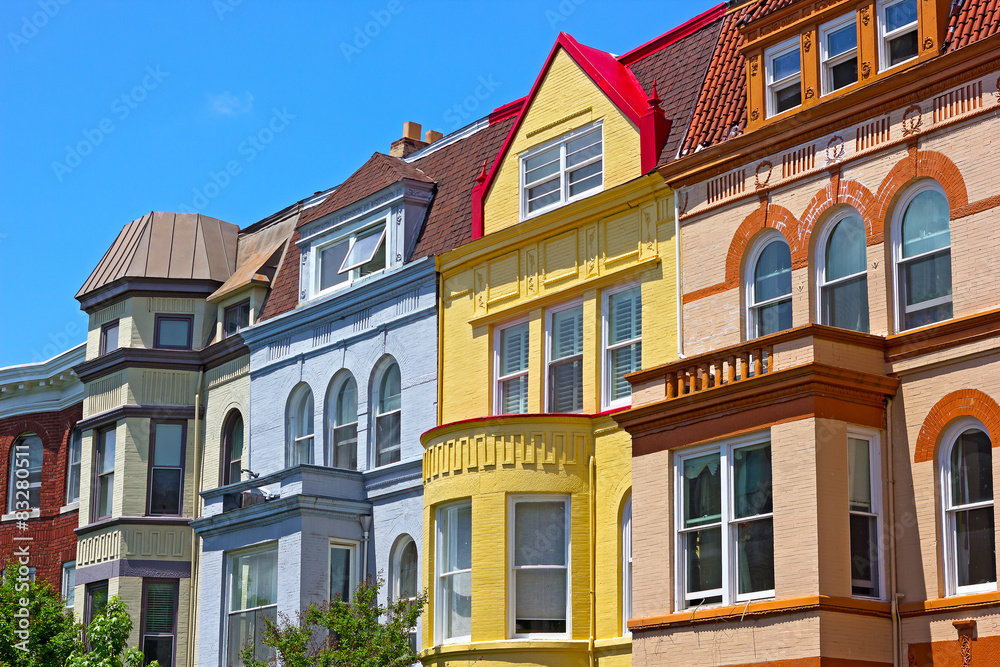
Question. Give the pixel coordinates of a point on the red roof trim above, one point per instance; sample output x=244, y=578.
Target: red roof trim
x=506, y=111
x=678, y=33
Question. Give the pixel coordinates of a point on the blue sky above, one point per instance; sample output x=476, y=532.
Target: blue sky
x=113, y=109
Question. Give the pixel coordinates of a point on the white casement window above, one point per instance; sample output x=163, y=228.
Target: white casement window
x=253, y=597
x=404, y=576
x=967, y=494
x=842, y=272
x=511, y=364
x=898, y=32
x=725, y=527
x=343, y=569
x=342, y=423
x=166, y=468
x=622, y=336
x=159, y=620
x=838, y=44
x=69, y=585
x=626, y=566
x=453, y=601
x=864, y=497
x=73, y=467
x=348, y=258
x=783, y=71
x=25, y=480
x=299, y=420
x=564, y=343
x=562, y=171
x=768, y=286
x=921, y=246
x=539, y=577
x=388, y=416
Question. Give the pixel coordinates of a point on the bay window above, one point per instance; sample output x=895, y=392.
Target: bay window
x=453, y=598
x=343, y=569
x=539, y=566
x=73, y=467
x=104, y=478
x=511, y=360
x=159, y=620
x=922, y=252
x=622, y=344
x=166, y=468
x=173, y=332
x=562, y=171
x=565, y=366
x=253, y=597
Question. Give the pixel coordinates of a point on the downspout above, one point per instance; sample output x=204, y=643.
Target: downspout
x=894, y=599
x=366, y=524
x=196, y=511
x=593, y=558
x=677, y=284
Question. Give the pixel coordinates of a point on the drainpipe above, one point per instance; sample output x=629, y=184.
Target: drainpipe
x=196, y=511
x=894, y=599
x=366, y=523
x=677, y=269
x=593, y=558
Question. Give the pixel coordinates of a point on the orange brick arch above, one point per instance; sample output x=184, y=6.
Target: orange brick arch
x=838, y=192
x=961, y=403
x=920, y=164
x=768, y=216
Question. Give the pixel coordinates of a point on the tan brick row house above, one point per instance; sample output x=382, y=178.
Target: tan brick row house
x=813, y=479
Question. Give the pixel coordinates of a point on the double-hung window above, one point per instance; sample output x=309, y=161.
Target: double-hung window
x=565, y=352
x=159, y=620
x=236, y=318
x=343, y=569
x=843, y=273
x=387, y=417
x=342, y=424
x=173, y=332
x=232, y=459
x=511, y=394
x=725, y=529
x=96, y=602
x=73, y=467
x=109, y=337
x=626, y=565
x=104, y=479
x=839, y=53
x=166, y=468
x=863, y=496
x=784, y=77
x=25, y=482
x=300, y=421
x=898, y=33
x=253, y=597
x=454, y=573
x=922, y=252
x=539, y=565
x=769, y=287
x=622, y=344
x=69, y=585
x=563, y=171
x=349, y=258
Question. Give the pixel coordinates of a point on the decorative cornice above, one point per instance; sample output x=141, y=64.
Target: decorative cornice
x=132, y=521
x=254, y=516
x=139, y=357
x=157, y=287
x=139, y=411
x=229, y=348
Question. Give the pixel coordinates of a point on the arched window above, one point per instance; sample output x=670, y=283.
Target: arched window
x=232, y=443
x=843, y=275
x=626, y=565
x=342, y=423
x=25, y=483
x=769, y=287
x=300, y=427
x=387, y=416
x=967, y=491
x=403, y=576
x=922, y=251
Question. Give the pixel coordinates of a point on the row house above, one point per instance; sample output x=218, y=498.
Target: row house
x=566, y=285
x=813, y=478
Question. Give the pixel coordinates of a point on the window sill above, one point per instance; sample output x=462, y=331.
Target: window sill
x=615, y=642
x=71, y=507
x=951, y=603
x=7, y=518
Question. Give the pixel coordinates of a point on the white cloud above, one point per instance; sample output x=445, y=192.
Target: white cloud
x=227, y=104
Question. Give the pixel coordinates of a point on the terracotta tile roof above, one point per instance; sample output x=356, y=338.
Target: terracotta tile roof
x=970, y=22
x=764, y=8
x=379, y=172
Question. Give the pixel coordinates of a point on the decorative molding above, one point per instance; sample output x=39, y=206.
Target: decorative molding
x=761, y=167
x=866, y=69
x=865, y=16
x=549, y=126
x=912, y=120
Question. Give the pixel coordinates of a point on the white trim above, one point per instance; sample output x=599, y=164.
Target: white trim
x=300, y=393
x=770, y=85
x=549, y=313
x=826, y=62
x=330, y=411
x=875, y=474
x=512, y=501
x=497, y=377
x=440, y=523
x=64, y=589
x=352, y=547
x=884, y=37
x=378, y=375
x=562, y=174
x=749, y=270
x=820, y=250
x=626, y=580
x=227, y=587
x=606, y=349
x=349, y=234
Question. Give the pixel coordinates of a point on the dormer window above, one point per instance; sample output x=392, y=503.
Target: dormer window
x=563, y=171
x=784, y=77
x=839, y=53
x=898, y=41
x=344, y=260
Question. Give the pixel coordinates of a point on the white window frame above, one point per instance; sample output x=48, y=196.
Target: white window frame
x=66, y=588
x=606, y=349
x=564, y=196
x=626, y=565
x=729, y=591
x=948, y=440
x=826, y=62
x=227, y=601
x=498, y=379
x=75, y=457
x=380, y=374
x=13, y=493
x=351, y=235
x=403, y=541
x=512, y=501
x=770, y=85
x=440, y=525
x=824, y=239
x=340, y=380
x=293, y=428
x=899, y=212
x=875, y=481
x=549, y=317
x=749, y=290
x=352, y=547
x=884, y=37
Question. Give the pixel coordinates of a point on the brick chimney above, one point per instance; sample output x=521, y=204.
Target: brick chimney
x=430, y=136
x=410, y=142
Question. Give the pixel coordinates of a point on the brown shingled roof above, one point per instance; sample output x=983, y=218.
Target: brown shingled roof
x=971, y=21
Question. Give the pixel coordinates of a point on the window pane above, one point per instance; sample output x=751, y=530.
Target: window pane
x=540, y=602
x=864, y=555
x=457, y=600
x=704, y=560
x=247, y=629
x=377, y=262
x=514, y=349
x=565, y=386
x=626, y=316
x=583, y=148
x=927, y=278
x=109, y=338
x=514, y=395
x=844, y=74
x=585, y=178
x=926, y=225
x=340, y=573
x=345, y=443
x=542, y=195
x=237, y=318
x=160, y=649
x=755, y=556
x=107, y=451
x=902, y=48
x=702, y=490
x=540, y=533
x=165, y=495
x=347, y=402
x=845, y=250
x=774, y=317
x=975, y=551
x=624, y=360
x=841, y=40
x=773, y=272
x=788, y=97
x=73, y=479
x=105, y=494
x=859, y=475
x=69, y=585
x=408, y=571
x=254, y=580
x=387, y=438
x=845, y=304
x=785, y=65
x=236, y=440
x=541, y=165
x=971, y=469
x=304, y=415
x=173, y=332
x=900, y=14
x=389, y=390
x=98, y=600
x=752, y=480
x=160, y=608
x=364, y=249
x=458, y=539
x=330, y=259
x=168, y=443
x=567, y=332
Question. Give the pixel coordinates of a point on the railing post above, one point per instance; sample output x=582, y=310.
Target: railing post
x=671, y=384
x=758, y=363
x=731, y=375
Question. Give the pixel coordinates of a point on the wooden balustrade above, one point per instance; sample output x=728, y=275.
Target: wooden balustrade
x=705, y=372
